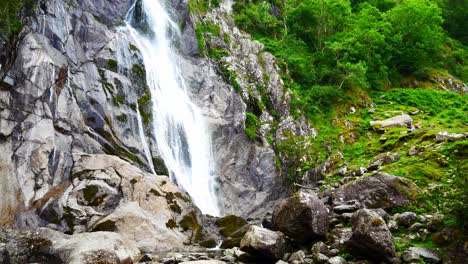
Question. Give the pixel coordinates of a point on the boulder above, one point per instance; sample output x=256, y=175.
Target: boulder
x=371, y=238
x=302, y=217
x=428, y=254
x=337, y=260
x=396, y=121
x=88, y=248
x=406, y=218
x=381, y=190
x=263, y=243
x=445, y=136
x=297, y=256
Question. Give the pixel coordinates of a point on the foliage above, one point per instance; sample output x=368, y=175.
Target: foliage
x=251, y=124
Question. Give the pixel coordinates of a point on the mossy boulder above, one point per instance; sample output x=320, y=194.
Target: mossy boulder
x=381, y=190
x=230, y=224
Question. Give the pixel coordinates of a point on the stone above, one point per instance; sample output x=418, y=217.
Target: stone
x=445, y=136
x=410, y=256
x=346, y=208
x=302, y=217
x=371, y=237
x=297, y=256
x=281, y=262
x=263, y=243
x=381, y=190
x=320, y=258
x=396, y=121
x=406, y=218
x=212, y=261
x=415, y=227
x=93, y=247
x=428, y=254
x=319, y=247
x=337, y=260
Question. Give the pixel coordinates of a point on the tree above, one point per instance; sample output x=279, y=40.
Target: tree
x=314, y=20
x=417, y=33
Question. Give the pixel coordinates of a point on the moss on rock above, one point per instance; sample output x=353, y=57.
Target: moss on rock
x=230, y=224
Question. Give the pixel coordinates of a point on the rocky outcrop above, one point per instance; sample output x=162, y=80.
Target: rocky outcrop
x=302, y=217
x=371, y=237
x=381, y=190
x=263, y=243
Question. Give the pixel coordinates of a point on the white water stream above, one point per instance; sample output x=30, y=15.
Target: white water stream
x=178, y=125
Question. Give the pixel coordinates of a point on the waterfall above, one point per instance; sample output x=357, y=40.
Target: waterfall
x=178, y=125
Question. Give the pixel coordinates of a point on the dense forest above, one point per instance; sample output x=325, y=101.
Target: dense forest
x=331, y=47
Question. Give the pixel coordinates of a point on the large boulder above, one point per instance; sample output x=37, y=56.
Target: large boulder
x=396, y=121
x=88, y=248
x=381, y=190
x=371, y=238
x=302, y=217
x=263, y=243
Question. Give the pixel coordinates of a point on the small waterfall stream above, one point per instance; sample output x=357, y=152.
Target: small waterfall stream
x=178, y=125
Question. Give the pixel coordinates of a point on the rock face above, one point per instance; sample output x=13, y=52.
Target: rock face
x=371, y=237
x=381, y=190
x=302, y=217
x=77, y=91
x=263, y=243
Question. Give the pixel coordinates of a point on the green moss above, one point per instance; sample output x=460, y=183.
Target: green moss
x=208, y=243
x=139, y=72
x=190, y=223
x=251, y=125
x=106, y=226
x=160, y=167
x=118, y=100
x=143, y=106
x=230, y=224
x=175, y=208
x=122, y=118
x=133, y=47
x=171, y=224
x=112, y=65
x=154, y=192
x=89, y=193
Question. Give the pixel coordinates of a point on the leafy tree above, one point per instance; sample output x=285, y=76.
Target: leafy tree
x=9, y=18
x=417, y=33
x=314, y=20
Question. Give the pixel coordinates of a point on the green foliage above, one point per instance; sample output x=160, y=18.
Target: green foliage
x=251, y=125
x=143, y=104
x=10, y=18
x=417, y=33
x=112, y=65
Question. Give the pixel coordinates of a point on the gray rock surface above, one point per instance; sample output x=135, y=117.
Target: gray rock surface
x=302, y=217
x=381, y=190
x=371, y=237
x=263, y=243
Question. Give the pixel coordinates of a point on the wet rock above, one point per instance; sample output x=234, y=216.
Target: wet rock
x=263, y=243
x=371, y=237
x=337, y=260
x=410, y=256
x=381, y=190
x=302, y=217
x=397, y=121
x=297, y=256
x=406, y=218
x=428, y=254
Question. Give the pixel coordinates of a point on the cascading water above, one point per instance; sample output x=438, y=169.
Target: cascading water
x=178, y=126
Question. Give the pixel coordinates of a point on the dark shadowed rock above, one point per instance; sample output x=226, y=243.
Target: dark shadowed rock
x=371, y=238
x=302, y=217
x=406, y=218
x=263, y=243
x=381, y=190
